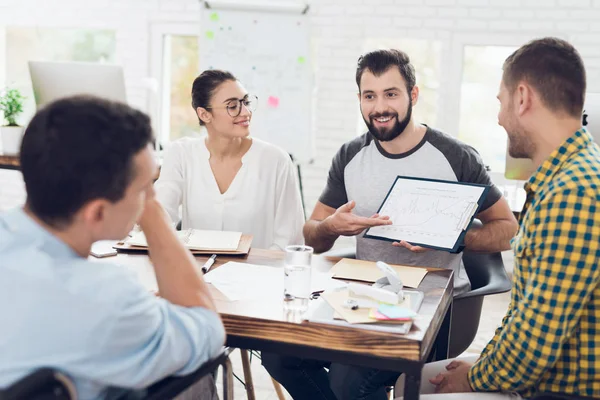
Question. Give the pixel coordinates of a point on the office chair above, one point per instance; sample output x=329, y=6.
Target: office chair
x=42, y=384
x=48, y=384
x=171, y=387
x=488, y=276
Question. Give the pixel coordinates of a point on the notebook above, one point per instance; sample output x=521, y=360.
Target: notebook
x=195, y=239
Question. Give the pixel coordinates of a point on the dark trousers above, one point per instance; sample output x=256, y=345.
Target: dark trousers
x=308, y=379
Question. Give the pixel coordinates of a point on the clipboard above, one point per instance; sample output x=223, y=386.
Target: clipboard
x=425, y=202
x=242, y=250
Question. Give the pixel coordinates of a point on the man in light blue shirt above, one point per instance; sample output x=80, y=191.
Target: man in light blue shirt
x=88, y=171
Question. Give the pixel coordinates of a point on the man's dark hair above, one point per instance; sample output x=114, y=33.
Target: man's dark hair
x=205, y=85
x=78, y=149
x=380, y=61
x=554, y=68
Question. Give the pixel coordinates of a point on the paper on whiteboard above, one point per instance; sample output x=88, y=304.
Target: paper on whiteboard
x=426, y=212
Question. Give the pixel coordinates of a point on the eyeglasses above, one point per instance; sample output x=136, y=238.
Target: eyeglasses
x=234, y=107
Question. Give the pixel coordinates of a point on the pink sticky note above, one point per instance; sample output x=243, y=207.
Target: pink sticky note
x=273, y=101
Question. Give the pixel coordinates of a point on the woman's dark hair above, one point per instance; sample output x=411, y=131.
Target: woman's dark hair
x=205, y=85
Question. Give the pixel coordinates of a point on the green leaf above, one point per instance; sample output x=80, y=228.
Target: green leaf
x=11, y=105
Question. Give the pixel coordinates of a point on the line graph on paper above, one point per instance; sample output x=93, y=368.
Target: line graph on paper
x=430, y=213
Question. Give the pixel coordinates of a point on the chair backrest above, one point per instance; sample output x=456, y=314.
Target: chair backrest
x=487, y=274
x=42, y=384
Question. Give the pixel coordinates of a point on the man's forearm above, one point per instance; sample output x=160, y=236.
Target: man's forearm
x=318, y=237
x=491, y=237
x=178, y=279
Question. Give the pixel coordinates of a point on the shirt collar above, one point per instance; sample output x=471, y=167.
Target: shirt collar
x=580, y=140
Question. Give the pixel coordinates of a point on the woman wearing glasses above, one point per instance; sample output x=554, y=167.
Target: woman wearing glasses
x=228, y=180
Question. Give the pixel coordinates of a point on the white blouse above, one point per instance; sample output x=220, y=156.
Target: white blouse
x=263, y=198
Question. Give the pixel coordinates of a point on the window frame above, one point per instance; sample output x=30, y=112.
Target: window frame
x=450, y=112
x=159, y=103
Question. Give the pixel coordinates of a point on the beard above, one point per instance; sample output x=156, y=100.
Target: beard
x=519, y=145
x=387, y=134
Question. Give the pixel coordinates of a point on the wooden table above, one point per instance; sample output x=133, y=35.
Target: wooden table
x=263, y=325
x=9, y=161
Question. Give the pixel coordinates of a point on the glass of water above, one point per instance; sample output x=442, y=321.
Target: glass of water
x=296, y=281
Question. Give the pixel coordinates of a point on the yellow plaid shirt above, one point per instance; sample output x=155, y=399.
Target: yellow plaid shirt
x=549, y=339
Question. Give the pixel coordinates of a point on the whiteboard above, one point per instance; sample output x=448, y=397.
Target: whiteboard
x=269, y=52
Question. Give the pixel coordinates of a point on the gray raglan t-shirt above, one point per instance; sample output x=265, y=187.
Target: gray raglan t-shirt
x=364, y=172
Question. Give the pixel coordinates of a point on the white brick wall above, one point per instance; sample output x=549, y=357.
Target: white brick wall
x=339, y=26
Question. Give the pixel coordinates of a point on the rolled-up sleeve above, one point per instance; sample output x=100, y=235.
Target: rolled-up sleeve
x=150, y=339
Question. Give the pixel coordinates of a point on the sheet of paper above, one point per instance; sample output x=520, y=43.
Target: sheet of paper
x=196, y=239
x=367, y=271
x=321, y=281
x=240, y=281
x=427, y=212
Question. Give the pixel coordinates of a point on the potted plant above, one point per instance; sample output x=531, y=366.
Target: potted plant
x=11, y=105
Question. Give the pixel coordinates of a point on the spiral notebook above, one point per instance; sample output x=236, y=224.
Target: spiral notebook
x=195, y=239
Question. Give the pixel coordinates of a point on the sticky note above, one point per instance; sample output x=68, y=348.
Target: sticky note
x=214, y=17
x=301, y=60
x=395, y=312
x=273, y=101
x=210, y=35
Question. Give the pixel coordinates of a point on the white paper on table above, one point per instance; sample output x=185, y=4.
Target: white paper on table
x=239, y=281
x=321, y=281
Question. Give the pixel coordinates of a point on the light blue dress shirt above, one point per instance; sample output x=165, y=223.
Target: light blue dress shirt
x=93, y=321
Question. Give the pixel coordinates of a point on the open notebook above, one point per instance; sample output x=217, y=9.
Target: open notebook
x=195, y=239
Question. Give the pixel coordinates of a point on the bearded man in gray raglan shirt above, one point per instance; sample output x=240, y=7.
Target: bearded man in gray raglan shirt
x=361, y=174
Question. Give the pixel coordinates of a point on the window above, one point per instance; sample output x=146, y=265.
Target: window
x=180, y=68
x=51, y=44
x=425, y=56
x=478, y=126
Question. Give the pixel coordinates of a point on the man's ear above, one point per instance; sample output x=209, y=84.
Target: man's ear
x=414, y=95
x=524, y=100
x=204, y=115
x=94, y=212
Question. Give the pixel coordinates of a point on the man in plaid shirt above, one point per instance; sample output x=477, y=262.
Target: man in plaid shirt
x=549, y=340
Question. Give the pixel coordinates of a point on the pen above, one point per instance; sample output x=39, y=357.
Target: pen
x=209, y=263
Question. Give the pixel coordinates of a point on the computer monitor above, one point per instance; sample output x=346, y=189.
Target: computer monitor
x=521, y=169
x=55, y=80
